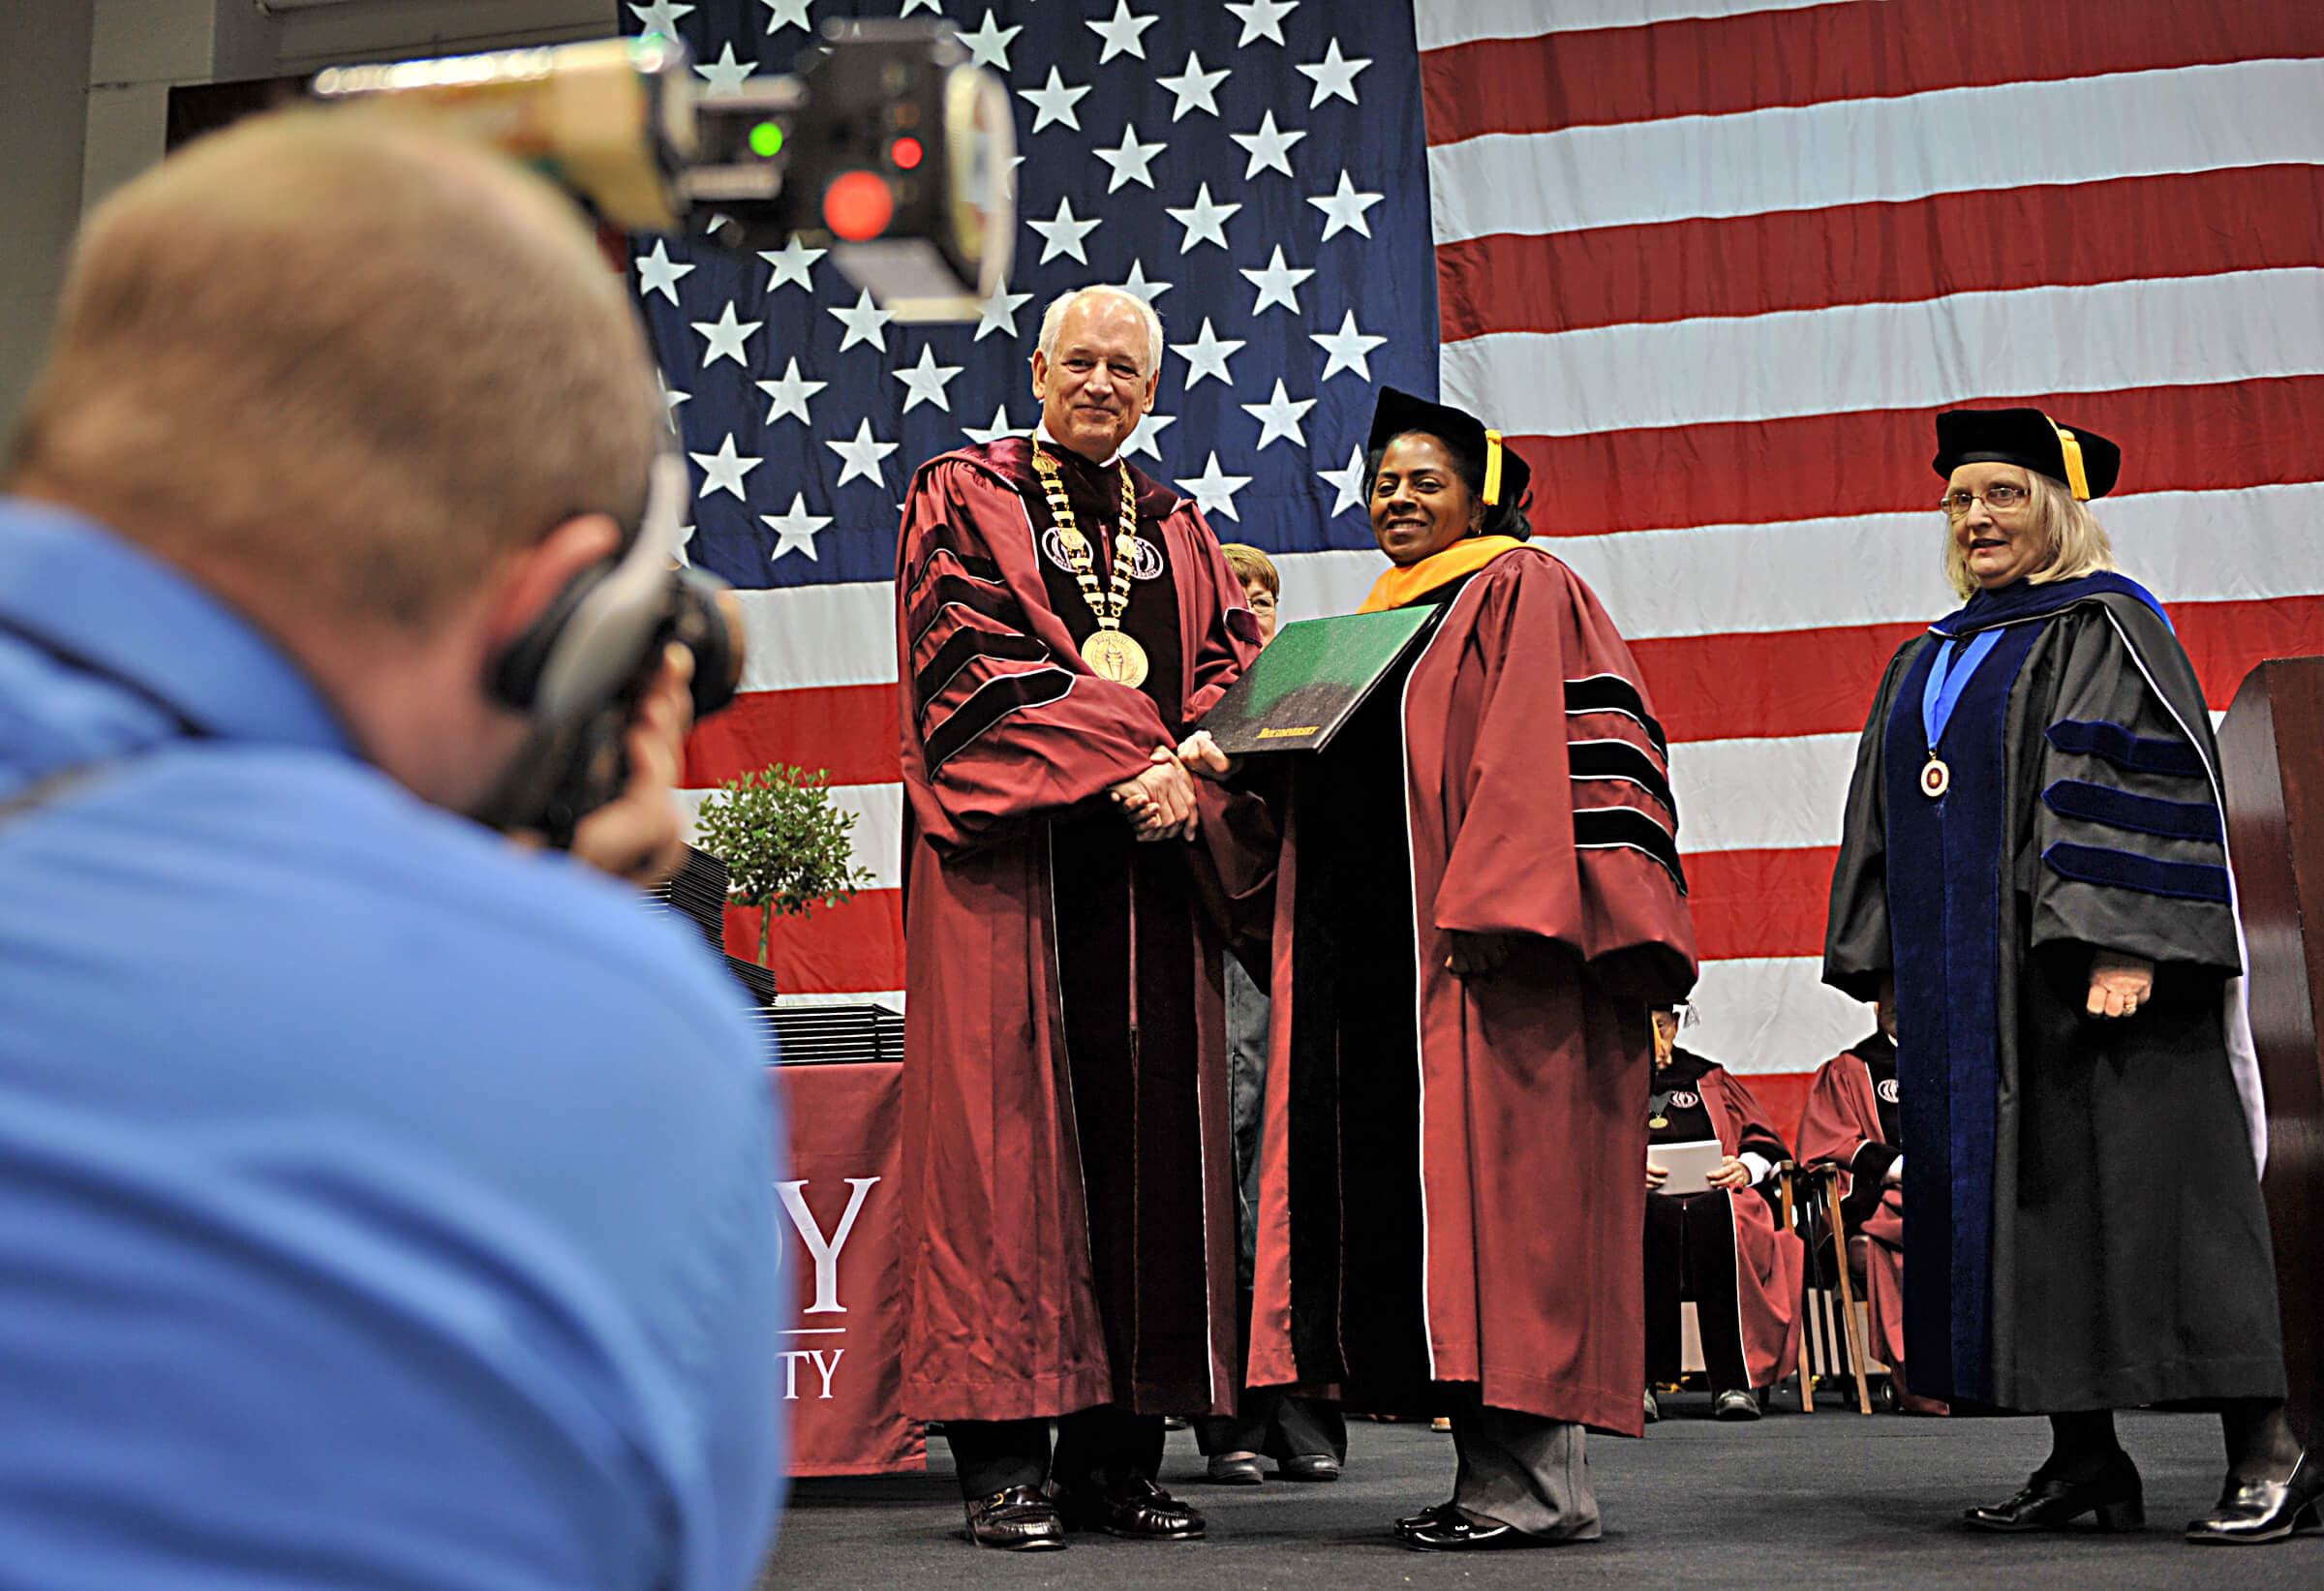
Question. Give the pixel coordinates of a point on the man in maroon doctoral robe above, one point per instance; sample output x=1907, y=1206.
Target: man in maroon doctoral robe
x=1721, y=1247
x=1069, y=1231
x=1480, y=896
x=1850, y=1122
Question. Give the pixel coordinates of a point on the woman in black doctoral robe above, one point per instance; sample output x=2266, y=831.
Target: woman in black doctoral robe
x=2035, y=861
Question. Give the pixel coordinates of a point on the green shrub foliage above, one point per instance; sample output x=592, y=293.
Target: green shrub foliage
x=786, y=847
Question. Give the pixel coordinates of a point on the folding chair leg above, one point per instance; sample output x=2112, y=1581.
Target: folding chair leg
x=1807, y=1321
x=1847, y=1295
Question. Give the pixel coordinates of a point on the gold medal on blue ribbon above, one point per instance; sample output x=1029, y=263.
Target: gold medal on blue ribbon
x=1940, y=694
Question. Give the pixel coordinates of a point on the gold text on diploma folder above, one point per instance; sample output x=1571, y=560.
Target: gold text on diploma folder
x=1289, y=734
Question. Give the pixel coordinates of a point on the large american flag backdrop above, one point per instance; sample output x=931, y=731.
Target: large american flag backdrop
x=1712, y=264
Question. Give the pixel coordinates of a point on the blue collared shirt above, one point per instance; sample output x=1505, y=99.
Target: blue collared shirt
x=380, y=1205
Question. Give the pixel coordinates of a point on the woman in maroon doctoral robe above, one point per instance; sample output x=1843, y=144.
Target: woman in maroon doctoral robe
x=1721, y=1247
x=1850, y=1122
x=1479, y=897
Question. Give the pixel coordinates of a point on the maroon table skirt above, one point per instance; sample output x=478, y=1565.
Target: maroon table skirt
x=843, y=1359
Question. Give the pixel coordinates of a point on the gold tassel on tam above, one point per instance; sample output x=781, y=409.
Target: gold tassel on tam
x=2076, y=477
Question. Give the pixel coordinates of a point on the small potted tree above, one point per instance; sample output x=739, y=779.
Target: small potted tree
x=786, y=847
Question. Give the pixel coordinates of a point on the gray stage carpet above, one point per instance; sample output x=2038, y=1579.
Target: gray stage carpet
x=1830, y=1500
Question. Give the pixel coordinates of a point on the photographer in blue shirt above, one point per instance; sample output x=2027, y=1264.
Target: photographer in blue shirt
x=382, y=1203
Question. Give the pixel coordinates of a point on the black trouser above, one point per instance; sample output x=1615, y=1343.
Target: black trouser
x=1095, y=1448
x=1691, y=1254
x=1271, y=1420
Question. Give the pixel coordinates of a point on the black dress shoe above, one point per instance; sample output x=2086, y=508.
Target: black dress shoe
x=2048, y=1503
x=1135, y=1508
x=2252, y=1512
x=1015, y=1519
x=1236, y=1469
x=1411, y=1522
x=1457, y=1532
x=1307, y=1466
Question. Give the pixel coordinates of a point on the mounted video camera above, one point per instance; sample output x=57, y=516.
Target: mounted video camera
x=888, y=149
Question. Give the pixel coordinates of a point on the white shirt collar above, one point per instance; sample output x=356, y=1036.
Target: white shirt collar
x=1041, y=434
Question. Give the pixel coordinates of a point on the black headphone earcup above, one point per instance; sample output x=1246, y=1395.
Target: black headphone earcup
x=513, y=677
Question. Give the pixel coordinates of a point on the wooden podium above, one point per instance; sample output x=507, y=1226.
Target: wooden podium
x=2271, y=760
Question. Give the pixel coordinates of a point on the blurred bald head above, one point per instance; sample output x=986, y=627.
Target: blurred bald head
x=338, y=358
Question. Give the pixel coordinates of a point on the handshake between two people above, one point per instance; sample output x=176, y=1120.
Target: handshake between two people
x=1159, y=804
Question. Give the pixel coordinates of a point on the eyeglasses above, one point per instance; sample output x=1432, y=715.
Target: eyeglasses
x=1999, y=497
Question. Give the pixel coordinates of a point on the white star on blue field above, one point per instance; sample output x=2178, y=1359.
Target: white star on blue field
x=1253, y=169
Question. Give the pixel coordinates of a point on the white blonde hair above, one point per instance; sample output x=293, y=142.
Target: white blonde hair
x=2075, y=541
x=1053, y=320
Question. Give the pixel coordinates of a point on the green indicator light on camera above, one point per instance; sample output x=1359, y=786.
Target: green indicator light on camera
x=766, y=140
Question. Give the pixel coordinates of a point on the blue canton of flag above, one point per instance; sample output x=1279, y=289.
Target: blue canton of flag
x=1256, y=169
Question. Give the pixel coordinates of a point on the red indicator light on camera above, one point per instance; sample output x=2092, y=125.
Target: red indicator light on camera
x=858, y=205
x=906, y=153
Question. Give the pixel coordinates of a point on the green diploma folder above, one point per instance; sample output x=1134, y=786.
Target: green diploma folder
x=1312, y=677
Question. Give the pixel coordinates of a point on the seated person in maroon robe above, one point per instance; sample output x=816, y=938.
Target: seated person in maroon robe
x=1061, y=620
x=1850, y=1122
x=1724, y=1249
x=1479, y=897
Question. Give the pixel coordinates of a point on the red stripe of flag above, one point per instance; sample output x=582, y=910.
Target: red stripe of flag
x=2176, y=438
x=1748, y=687
x=1725, y=64
x=840, y=950
x=2226, y=640
x=848, y=731
x=1999, y=240
x=1769, y=902
x=1784, y=1095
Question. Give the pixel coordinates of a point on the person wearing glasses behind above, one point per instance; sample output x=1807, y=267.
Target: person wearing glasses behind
x=2034, y=863
x=1306, y=1436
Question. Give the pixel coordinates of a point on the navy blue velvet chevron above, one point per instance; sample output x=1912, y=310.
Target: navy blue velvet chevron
x=2128, y=869
x=2141, y=815
x=2014, y=604
x=2137, y=753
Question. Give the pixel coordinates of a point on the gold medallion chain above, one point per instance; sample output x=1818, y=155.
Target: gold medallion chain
x=1110, y=652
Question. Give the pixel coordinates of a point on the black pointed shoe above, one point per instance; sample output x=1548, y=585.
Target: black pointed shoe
x=1015, y=1519
x=2252, y=1512
x=2114, y=1495
x=1455, y=1532
x=1234, y=1469
x=1426, y=1516
x=1307, y=1466
x=1135, y=1508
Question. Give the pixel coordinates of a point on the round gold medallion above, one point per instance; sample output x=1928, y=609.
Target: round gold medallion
x=1116, y=656
x=1935, y=778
